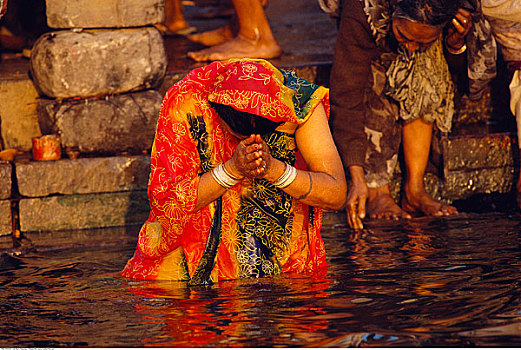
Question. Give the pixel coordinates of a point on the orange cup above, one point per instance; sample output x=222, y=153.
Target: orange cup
x=47, y=147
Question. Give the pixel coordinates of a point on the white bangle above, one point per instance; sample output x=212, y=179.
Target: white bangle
x=238, y=179
x=287, y=177
x=223, y=177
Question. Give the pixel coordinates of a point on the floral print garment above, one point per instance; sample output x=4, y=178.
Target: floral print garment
x=254, y=229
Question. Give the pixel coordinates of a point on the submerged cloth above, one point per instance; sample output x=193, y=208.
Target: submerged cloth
x=254, y=229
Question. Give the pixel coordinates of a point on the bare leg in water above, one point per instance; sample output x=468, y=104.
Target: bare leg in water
x=254, y=38
x=416, y=146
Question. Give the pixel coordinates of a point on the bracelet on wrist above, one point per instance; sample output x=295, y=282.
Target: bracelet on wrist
x=223, y=178
x=453, y=51
x=230, y=174
x=287, y=177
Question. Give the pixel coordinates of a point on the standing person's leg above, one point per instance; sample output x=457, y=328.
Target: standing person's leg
x=174, y=22
x=254, y=39
x=515, y=107
x=416, y=141
x=384, y=136
x=221, y=34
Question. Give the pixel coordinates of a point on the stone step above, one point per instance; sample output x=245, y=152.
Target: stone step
x=5, y=180
x=103, y=13
x=468, y=165
x=104, y=125
x=474, y=164
x=82, y=175
x=5, y=218
x=83, y=211
x=18, y=116
x=89, y=63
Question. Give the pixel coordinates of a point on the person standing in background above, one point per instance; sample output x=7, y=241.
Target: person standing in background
x=505, y=18
x=252, y=38
x=390, y=85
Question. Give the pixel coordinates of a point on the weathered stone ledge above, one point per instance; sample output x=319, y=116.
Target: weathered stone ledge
x=114, y=124
x=103, y=13
x=83, y=211
x=5, y=218
x=89, y=63
x=18, y=118
x=5, y=180
x=477, y=152
x=82, y=175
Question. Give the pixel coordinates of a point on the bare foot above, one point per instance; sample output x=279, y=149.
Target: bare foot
x=422, y=203
x=380, y=205
x=240, y=47
x=213, y=37
x=175, y=28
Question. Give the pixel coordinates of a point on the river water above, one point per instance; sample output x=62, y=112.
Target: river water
x=424, y=282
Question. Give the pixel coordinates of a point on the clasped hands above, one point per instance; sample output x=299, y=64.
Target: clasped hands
x=251, y=159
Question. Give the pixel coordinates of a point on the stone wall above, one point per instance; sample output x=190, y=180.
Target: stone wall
x=94, y=82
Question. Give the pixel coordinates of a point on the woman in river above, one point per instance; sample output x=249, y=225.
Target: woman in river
x=241, y=163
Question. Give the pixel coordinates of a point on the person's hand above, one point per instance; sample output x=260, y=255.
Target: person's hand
x=248, y=158
x=266, y=164
x=356, y=198
x=460, y=27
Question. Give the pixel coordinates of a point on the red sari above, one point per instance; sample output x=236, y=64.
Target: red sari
x=254, y=229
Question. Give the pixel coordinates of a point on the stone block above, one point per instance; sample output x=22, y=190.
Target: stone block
x=477, y=164
x=18, y=116
x=83, y=211
x=103, y=13
x=112, y=124
x=5, y=218
x=461, y=184
x=82, y=175
x=5, y=180
x=91, y=63
x=477, y=152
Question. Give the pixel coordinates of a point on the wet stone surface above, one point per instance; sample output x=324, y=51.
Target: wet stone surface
x=463, y=184
x=476, y=152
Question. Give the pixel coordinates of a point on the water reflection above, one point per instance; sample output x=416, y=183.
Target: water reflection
x=437, y=276
x=281, y=310
x=428, y=282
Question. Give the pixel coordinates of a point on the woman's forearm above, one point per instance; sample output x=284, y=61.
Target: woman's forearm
x=314, y=188
x=208, y=191
x=318, y=189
